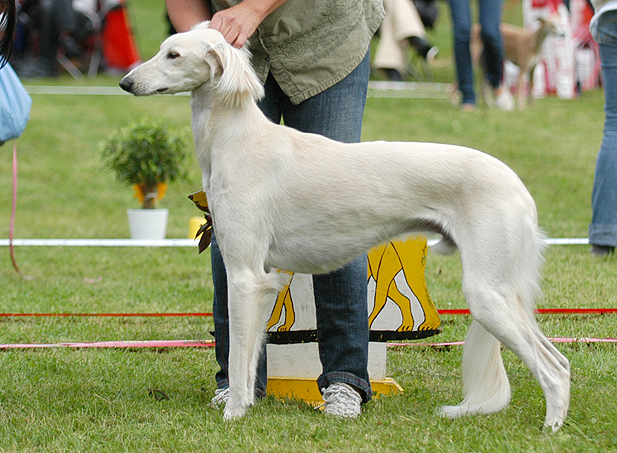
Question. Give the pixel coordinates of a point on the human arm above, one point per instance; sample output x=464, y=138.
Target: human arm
x=236, y=23
x=185, y=14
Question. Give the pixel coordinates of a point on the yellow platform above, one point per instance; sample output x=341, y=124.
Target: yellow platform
x=306, y=389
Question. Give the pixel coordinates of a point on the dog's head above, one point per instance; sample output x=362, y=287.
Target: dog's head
x=551, y=25
x=189, y=60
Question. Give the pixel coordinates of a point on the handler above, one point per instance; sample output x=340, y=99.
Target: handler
x=312, y=57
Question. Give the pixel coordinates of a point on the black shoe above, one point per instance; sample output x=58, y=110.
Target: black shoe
x=423, y=47
x=71, y=47
x=602, y=250
x=393, y=75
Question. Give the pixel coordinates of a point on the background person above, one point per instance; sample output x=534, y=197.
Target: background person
x=490, y=18
x=56, y=24
x=402, y=28
x=603, y=227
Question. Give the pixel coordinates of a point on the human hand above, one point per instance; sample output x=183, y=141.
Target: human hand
x=237, y=23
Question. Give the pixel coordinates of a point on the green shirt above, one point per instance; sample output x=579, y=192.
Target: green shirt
x=310, y=45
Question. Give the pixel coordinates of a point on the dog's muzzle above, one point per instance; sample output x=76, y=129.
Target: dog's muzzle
x=137, y=89
x=127, y=84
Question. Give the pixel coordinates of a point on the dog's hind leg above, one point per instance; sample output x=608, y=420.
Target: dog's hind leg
x=501, y=315
x=520, y=333
x=251, y=294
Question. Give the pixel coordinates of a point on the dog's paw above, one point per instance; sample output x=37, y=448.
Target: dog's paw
x=233, y=414
x=552, y=426
x=233, y=411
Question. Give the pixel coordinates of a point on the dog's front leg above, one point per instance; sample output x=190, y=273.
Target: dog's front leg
x=242, y=332
x=521, y=94
x=530, y=92
x=249, y=294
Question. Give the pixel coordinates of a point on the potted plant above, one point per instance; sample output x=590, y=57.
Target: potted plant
x=147, y=155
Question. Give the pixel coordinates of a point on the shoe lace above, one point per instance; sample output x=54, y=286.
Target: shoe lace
x=220, y=397
x=341, y=399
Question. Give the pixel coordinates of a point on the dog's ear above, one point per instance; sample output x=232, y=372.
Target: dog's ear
x=215, y=62
x=202, y=25
x=232, y=74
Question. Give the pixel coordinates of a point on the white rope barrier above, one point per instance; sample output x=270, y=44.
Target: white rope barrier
x=83, y=91
x=182, y=242
x=101, y=242
x=550, y=241
x=376, y=89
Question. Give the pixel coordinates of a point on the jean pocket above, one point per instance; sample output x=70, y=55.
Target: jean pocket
x=607, y=28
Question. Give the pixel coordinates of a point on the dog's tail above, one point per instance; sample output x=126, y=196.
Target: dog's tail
x=485, y=382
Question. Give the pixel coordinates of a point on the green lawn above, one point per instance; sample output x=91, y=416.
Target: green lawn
x=100, y=400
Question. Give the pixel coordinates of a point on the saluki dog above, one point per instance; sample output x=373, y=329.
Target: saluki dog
x=522, y=47
x=282, y=199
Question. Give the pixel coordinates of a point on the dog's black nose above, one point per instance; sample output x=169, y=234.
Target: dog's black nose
x=126, y=84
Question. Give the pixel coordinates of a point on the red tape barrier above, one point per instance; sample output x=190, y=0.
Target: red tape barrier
x=541, y=311
x=103, y=315
x=115, y=344
x=210, y=343
x=546, y=311
x=554, y=340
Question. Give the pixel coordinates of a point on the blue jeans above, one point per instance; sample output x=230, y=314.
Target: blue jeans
x=340, y=296
x=603, y=227
x=490, y=18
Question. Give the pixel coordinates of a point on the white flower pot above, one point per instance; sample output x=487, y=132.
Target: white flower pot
x=148, y=223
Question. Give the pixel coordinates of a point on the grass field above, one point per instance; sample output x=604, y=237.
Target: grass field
x=101, y=400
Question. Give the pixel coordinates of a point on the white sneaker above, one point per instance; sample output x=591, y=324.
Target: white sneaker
x=341, y=400
x=220, y=397
x=504, y=99
x=432, y=53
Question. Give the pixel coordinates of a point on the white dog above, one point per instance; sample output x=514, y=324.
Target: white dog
x=282, y=199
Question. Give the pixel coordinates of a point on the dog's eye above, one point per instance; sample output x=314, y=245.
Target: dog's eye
x=173, y=55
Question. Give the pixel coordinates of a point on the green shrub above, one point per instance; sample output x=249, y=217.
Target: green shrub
x=147, y=155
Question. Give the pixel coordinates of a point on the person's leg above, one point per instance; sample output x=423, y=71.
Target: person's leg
x=340, y=296
x=490, y=19
x=407, y=26
x=603, y=227
x=62, y=22
x=461, y=25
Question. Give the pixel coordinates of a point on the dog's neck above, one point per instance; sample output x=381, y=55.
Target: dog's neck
x=540, y=35
x=208, y=110
x=202, y=101
x=213, y=118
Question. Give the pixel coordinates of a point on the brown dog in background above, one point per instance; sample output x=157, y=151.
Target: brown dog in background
x=522, y=47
